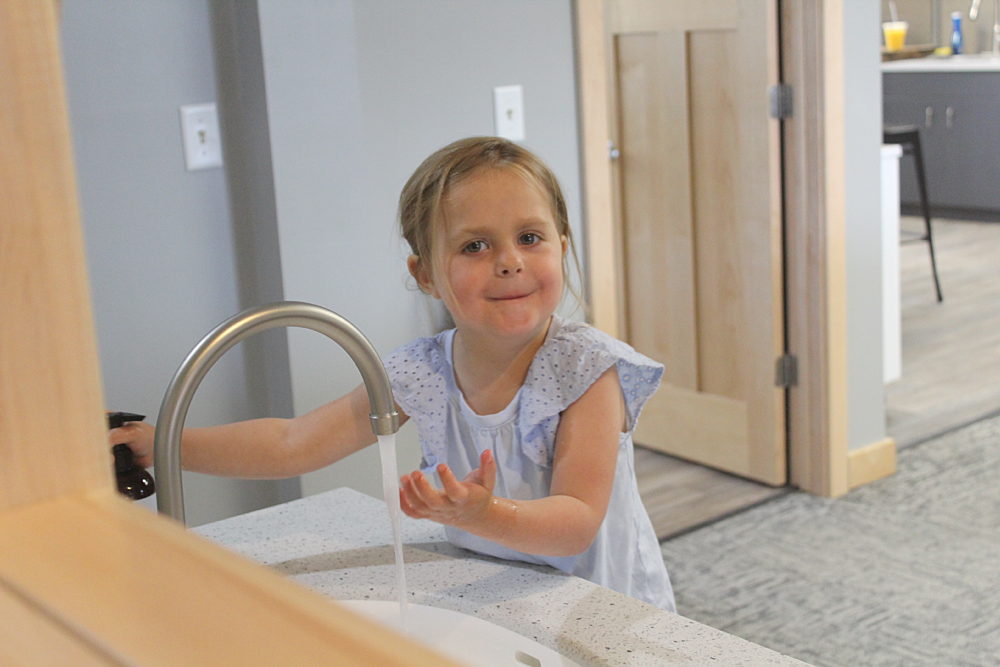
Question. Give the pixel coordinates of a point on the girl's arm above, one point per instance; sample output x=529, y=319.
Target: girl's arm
x=563, y=523
x=267, y=448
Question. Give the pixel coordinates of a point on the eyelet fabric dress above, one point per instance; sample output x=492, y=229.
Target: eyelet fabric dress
x=625, y=554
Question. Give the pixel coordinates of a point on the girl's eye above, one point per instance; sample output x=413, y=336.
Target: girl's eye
x=474, y=247
x=530, y=238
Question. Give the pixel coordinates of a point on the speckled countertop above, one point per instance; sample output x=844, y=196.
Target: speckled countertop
x=339, y=544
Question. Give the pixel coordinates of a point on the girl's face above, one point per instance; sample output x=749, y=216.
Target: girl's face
x=498, y=261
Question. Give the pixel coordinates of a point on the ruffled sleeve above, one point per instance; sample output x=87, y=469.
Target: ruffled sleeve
x=419, y=386
x=567, y=364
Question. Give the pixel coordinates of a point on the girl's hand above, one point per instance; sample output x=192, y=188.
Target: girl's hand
x=460, y=503
x=139, y=438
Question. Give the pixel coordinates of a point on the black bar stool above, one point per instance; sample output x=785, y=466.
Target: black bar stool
x=908, y=137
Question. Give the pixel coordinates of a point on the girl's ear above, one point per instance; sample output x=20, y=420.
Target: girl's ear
x=421, y=275
x=565, y=244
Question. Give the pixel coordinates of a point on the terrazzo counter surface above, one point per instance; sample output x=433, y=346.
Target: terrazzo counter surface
x=339, y=544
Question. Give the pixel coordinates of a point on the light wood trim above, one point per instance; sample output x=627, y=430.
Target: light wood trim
x=804, y=298
x=143, y=589
x=26, y=628
x=872, y=462
x=602, y=239
x=814, y=234
x=835, y=233
x=771, y=464
x=643, y=15
x=49, y=378
x=85, y=576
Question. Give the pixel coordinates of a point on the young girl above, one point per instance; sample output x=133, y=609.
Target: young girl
x=527, y=419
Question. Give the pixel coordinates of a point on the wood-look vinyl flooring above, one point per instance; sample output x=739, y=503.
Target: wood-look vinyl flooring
x=951, y=350
x=951, y=373
x=680, y=496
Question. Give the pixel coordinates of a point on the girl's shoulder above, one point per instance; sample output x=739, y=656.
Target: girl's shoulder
x=573, y=356
x=426, y=350
x=572, y=335
x=418, y=372
x=579, y=351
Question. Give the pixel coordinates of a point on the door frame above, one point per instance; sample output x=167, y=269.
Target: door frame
x=815, y=259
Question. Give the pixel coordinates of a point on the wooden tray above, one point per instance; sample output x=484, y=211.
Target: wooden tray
x=915, y=51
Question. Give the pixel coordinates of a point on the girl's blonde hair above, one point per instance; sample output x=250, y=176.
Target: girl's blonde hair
x=420, y=202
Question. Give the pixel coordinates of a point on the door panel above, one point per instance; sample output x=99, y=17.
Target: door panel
x=651, y=76
x=699, y=206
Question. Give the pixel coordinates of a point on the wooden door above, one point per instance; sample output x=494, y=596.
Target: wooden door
x=699, y=206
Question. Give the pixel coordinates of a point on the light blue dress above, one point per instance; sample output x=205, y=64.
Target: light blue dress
x=625, y=555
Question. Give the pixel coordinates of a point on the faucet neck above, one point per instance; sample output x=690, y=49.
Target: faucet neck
x=173, y=410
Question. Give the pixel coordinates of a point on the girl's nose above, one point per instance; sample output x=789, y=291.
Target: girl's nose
x=509, y=263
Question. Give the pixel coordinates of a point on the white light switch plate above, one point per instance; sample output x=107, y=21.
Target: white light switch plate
x=200, y=132
x=508, y=112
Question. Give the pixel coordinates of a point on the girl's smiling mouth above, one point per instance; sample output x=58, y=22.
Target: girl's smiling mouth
x=509, y=297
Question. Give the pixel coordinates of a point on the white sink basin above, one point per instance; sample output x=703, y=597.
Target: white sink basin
x=466, y=639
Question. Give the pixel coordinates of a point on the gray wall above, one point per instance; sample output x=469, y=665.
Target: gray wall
x=863, y=138
x=159, y=238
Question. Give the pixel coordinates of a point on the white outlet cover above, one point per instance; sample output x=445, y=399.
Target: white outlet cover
x=200, y=134
x=508, y=112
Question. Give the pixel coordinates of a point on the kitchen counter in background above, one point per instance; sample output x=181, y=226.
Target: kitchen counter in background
x=339, y=544
x=972, y=62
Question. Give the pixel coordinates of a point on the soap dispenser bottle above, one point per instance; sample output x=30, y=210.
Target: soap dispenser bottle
x=133, y=481
x=956, y=33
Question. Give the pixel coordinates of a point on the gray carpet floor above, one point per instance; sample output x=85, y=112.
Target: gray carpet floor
x=903, y=571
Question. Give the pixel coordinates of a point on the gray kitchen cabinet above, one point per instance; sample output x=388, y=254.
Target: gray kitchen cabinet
x=958, y=114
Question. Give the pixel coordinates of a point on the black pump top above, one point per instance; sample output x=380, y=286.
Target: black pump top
x=118, y=419
x=133, y=481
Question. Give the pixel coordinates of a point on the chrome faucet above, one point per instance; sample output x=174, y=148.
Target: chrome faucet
x=974, y=15
x=173, y=410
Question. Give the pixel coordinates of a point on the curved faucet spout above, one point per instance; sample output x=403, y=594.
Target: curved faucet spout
x=173, y=410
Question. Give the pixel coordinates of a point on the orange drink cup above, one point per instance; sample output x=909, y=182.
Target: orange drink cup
x=894, y=33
